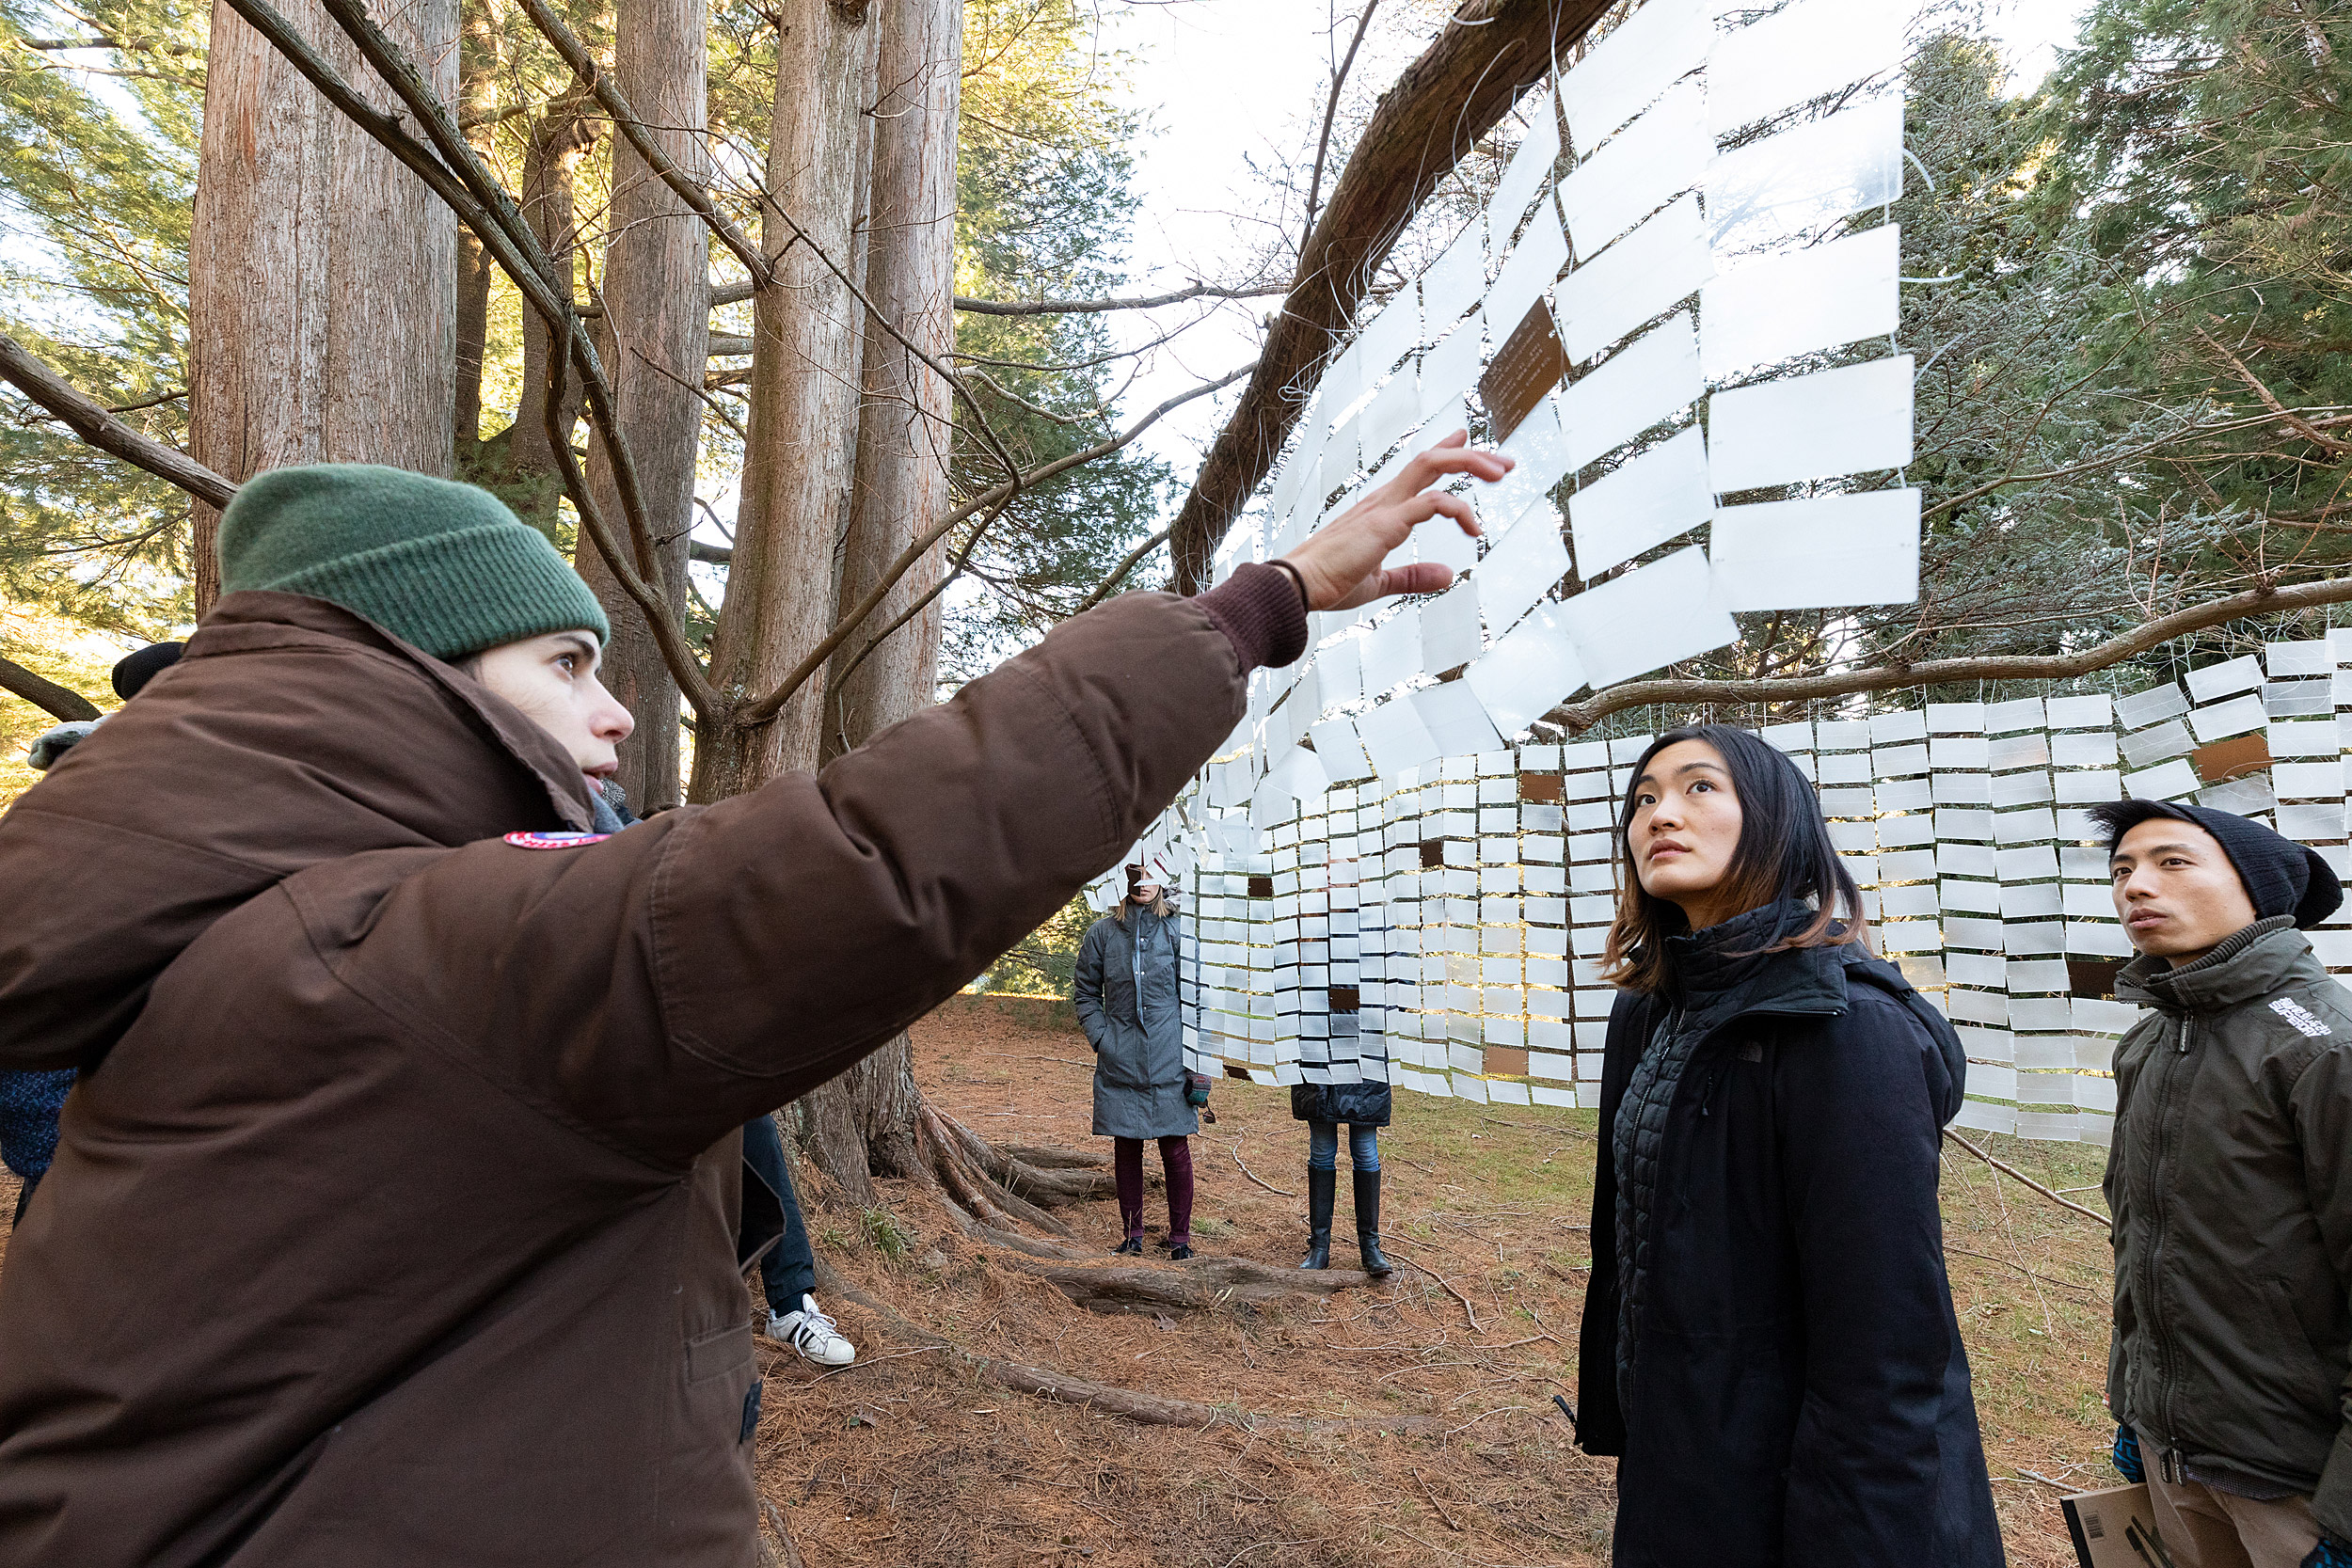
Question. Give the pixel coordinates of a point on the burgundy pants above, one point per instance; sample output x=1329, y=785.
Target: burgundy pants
x=1176, y=1160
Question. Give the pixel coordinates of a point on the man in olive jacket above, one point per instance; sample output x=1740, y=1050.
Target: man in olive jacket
x=393, y=1220
x=2230, y=1184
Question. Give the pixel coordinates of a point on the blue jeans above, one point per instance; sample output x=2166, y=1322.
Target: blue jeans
x=1323, y=1145
x=788, y=1270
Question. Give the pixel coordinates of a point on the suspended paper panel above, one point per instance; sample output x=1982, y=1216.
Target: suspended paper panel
x=1342, y=753
x=1392, y=412
x=1818, y=553
x=1391, y=335
x=1832, y=422
x=1647, y=619
x=1539, y=448
x=1795, y=184
x=1655, y=159
x=1623, y=74
x=1526, y=674
x=1396, y=738
x=1652, y=378
x=1391, y=652
x=1449, y=629
x=1529, y=172
x=1797, y=55
x=1542, y=252
x=1815, y=298
x=1452, y=366
x=1454, y=280
x=1645, y=502
x=1455, y=719
x=1642, y=274
x=1524, y=565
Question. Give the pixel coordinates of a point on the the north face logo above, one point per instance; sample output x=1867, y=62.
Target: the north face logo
x=2305, y=1022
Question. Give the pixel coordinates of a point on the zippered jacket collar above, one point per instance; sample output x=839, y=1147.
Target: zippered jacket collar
x=2251, y=963
x=1717, y=975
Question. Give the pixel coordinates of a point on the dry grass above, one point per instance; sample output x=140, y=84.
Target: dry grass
x=908, y=1458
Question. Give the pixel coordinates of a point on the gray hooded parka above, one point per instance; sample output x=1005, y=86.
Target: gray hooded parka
x=1138, y=1051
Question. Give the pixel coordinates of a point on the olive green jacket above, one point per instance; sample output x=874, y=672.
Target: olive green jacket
x=2230, y=1183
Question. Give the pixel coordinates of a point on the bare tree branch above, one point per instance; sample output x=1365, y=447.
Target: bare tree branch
x=1487, y=54
x=59, y=702
x=2266, y=599
x=1090, y=306
x=1330, y=113
x=1118, y=572
x=96, y=425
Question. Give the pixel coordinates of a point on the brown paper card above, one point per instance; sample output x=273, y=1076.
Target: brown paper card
x=1343, y=999
x=2092, y=977
x=1544, y=788
x=2230, y=759
x=1530, y=363
x=1506, y=1060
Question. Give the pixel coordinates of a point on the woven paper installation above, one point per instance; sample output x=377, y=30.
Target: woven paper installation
x=1439, y=927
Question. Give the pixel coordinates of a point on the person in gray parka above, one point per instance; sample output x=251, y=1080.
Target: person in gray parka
x=1125, y=992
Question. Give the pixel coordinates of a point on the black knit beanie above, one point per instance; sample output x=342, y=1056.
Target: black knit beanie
x=2280, y=875
x=133, y=671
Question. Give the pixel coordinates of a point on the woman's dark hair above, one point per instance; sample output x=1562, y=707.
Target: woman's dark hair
x=1784, y=855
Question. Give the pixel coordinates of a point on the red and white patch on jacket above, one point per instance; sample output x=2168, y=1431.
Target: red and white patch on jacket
x=554, y=841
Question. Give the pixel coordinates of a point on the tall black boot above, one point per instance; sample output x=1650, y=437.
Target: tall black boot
x=1368, y=1223
x=1321, y=1186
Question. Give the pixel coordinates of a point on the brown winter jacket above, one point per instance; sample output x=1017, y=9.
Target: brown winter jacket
x=396, y=1225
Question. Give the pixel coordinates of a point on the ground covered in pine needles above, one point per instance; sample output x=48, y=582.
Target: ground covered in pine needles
x=1408, y=1423
x=1378, y=1425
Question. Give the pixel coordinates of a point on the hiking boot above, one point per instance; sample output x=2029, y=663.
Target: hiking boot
x=811, y=1332
x=1178, y=1251
x=1131, y=1247
x=1368, y=1224
x=1321, y=1184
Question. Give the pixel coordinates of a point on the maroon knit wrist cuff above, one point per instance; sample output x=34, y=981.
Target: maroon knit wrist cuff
x=1260, y=611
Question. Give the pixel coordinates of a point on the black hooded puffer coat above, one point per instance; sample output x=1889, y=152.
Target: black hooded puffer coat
x=1790, y=1387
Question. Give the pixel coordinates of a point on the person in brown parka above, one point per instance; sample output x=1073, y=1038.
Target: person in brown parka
x=393, y=1217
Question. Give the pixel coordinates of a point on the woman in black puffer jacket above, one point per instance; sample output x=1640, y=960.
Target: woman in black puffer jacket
x=1769, y=1343
x=1364, y=1106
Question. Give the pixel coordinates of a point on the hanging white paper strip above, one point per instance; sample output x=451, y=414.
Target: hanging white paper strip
x=1794, y=184
x=1342, y=754
x=1797, y=55
x=1393, y=411
x=1814, y=298
x=1647, y=619
x=1541, y=253
x=1396, y=738
x=1524, y=674
x=1647, y=272
x=1539, y=450
x=1657, y=158
x=1452, y=284
x=1529, y=172
x=1650, y=379
x=1646, y=501
x=1392, y=653
x=1449, y=629
x=1818, y=553
x=1839, y=421
x=1657, y=43
x=1455, y=719
x=1523, y=566
x=1452, y=366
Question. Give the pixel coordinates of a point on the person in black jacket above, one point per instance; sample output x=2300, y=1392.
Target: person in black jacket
x=1364, y=1106
x=1769, y=1343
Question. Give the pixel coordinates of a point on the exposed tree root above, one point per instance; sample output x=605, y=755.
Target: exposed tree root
x=968, y=1181
x=1046, y=1185
x=1144, y=1409
x=1044, y=1158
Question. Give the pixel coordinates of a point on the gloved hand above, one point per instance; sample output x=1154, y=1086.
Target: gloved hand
x=2127, y=1463
x=2329, y=1553
x=53, y=744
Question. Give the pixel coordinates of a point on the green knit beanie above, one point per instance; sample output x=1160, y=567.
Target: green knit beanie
x=445, y=565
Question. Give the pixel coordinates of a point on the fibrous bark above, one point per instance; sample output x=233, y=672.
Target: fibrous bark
x=1490, y=53
x=322, y=293
x=559, y=141
x=658, y=331
x=477, y=101
x=780, y=587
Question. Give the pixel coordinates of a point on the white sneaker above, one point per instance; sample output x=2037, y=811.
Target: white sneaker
x=812, y=1334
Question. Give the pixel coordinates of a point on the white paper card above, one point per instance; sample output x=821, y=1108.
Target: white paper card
x=1456, y=720
x=1541, y=253
x=1814, y=298
x=1441, y=540
x=1645, y=502
x=1659, y=156
x=1452, y=284
x=1521, y=676
x=1393, y=411
x=1839, y=421
x=1342, y=667
x=1396, y=738
x=1391, y=335
x=1797, y=183
x=1452, y=366
x=1539, y=448
x=1525, y=564
x=1449, y=629
x=1647, y=619
x=1648, y=380
x=1342, y=754
x=1529, y=172
x=1650, y=270
x=1392, y=652
x=1817, y=553
x=1797, y=55
x=1660, y=41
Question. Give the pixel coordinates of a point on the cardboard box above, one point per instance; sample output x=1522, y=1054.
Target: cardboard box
x=2114, y=1528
